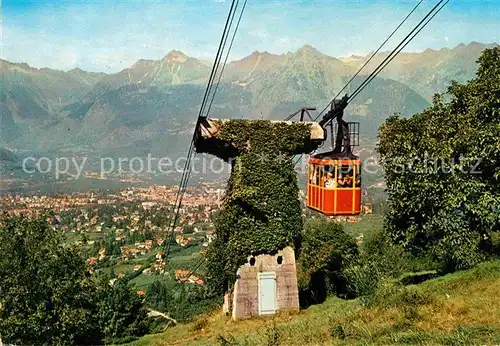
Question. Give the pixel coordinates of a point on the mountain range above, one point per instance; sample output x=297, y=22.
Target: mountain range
x=151, y=106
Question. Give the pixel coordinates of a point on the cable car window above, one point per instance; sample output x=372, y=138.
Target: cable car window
x=357, y=182
x=349, y=178
x=347, y=169
x=329, y=169
x=346, y=176
x=316, y=175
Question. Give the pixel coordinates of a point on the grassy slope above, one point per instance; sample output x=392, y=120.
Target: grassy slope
x=368, y=224
x=459, y=309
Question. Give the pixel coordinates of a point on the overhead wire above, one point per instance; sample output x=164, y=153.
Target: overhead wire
x=371, y=57
x=191, y=151
x=385, y=63
x=227, y=55
x=217, y=58
x=395, y=51
x=187, y=166
x=198, y=264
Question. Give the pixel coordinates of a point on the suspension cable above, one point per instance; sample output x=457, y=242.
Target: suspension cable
x=217, y=58
x=394, y=52
x=371, y=57
x=391, y=56
x=369, y=79
x=191, y=151
x=200, y=261
x=227, y=55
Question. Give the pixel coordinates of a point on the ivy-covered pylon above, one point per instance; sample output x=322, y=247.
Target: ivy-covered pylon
x=260, y=211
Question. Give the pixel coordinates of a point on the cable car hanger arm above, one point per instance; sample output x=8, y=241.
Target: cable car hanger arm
x=336, y=112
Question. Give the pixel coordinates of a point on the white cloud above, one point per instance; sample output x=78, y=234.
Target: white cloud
x=283, y=42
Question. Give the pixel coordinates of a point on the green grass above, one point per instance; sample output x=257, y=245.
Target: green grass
x=184, y=258
x=457, y=309
x=143, y=281
x=124, y=268
x=367, y=224
x=72, y=237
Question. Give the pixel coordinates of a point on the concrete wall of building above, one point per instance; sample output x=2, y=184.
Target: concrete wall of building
x=245, y=295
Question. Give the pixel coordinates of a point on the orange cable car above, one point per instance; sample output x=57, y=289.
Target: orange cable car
x=334, y=185
x=334, y=178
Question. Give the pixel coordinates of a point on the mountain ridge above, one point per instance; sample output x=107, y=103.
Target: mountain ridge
x=149, y=106
x=460, y=45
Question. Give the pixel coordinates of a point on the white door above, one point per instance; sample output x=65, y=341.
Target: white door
x=267, y=293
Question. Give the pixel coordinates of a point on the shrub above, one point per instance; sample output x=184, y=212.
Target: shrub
x=391, y=259
x=325, y=252
x=362, y=279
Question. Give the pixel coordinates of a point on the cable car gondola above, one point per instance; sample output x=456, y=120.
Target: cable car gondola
x=334, y=177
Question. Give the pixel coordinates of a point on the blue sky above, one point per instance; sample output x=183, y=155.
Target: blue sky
x=109, y=35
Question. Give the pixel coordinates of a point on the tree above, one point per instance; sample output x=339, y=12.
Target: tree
x=48, y=296
x=442, y=169
x=122, y=315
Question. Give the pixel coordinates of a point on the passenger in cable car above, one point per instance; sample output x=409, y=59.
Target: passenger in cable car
x=348, y=181
x=358, y=181
x=330, y=182
x=340, y=180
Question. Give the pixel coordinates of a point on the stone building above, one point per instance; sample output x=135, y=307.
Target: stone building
x=265, y=285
